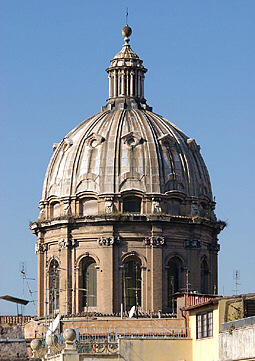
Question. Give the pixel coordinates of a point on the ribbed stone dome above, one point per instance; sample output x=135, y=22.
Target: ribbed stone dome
x=127, y=150
x=115, y=151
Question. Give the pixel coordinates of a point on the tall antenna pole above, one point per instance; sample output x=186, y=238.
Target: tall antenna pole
x=236, y=277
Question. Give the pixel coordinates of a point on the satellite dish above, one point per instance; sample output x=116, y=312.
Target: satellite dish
x=131, y=312
x=53, y=325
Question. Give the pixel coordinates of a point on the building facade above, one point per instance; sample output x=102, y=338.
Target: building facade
x=127, y=213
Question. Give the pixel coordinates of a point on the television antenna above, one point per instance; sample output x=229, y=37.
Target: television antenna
x=236, y=277
x=25, y=279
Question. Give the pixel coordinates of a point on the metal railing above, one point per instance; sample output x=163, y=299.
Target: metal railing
x=105, y=340
x=244, y=322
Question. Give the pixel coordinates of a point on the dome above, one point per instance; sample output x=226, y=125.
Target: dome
x=120, y=150
x=128, y=148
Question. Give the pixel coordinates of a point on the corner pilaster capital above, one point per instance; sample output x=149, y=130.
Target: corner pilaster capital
x=40, y=248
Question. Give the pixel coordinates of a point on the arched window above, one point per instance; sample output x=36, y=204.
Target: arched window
x=55, y=210
x=88, y=284
x=204, y=277
x=131, y=284
x=132, y=205
x=173, y=281
x=53, y=286
x=88, y=206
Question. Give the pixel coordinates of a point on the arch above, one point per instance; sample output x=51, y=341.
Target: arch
x=53, y=286
x=87, y=287
x=131, y=282
x=133, y=254
x=174, y=280
x=204, y=269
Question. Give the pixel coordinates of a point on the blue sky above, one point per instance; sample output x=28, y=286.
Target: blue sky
x=201, y=76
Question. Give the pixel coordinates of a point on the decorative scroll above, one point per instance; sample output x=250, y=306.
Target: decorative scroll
x=154, y=241
x=193, y=243
x=108, y=241
x=63, y=243
x=40, y=248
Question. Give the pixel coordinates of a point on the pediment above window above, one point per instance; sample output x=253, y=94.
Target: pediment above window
x=132, y=139
x=94, y=139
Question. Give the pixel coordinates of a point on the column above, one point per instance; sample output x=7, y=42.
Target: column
x=156, y=278
x=65, y=271
x=138, y=84
x=122, y=83
x=105, y=281
x=156, y=242
x=119, y=83
x=135, y=90
x=131, y=83
x=142, y=86
x=127, y=80
x=39, y=250
x=74, y=273
x=110, y=85
x=115, y=79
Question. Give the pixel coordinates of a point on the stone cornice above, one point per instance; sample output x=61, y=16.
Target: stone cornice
x=218, y=226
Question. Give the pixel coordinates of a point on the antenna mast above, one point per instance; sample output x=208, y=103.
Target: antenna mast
x=236, y=276
x=25, y=278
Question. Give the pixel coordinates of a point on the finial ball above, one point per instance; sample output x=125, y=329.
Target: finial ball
x=126, y=31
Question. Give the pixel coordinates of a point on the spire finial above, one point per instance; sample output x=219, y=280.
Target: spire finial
x=127, y=17
x=126, y=31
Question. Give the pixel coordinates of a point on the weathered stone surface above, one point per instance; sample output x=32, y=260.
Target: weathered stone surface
x=12, y=349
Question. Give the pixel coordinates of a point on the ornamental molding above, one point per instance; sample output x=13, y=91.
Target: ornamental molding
x=193, y=146
x=94, y=139
x=167, y=140
x=193, y=243
x=108, y=241
x=156, y=241
x=40, y=248
x=63, y=243
x=132, y=139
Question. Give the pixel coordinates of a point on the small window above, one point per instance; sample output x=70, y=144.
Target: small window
x=204, y=324
x=132, y=205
